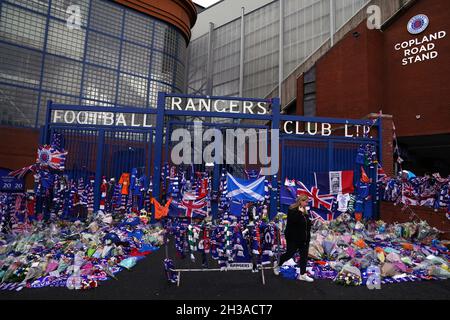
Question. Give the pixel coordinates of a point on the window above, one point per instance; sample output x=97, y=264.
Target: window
x=132, y=91
x=18, y=106
x=309, y=93
x=103, y=50
x=99, y=84
x=62, y=75
x=138, y=28
x=20, y=65
x=22, y=27
x=106, y=17
x=64, y=41
x=36, y=5
x=59, y=9
x=135, y=59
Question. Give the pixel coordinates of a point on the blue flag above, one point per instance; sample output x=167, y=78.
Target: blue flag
x=236, y=208
x=288, y=195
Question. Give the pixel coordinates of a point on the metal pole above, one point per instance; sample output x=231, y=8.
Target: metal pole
x=380, y=157
x=241, y=55
x=46, y=137
x=262, y=275
x=330, y=155
x=158, y=146
x=209, y=66
x=332, y=21
x=275, y=126
x=280, y=49
x=98, y=168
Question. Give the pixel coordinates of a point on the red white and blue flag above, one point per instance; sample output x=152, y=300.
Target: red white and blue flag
x=49, y=157
x=20, y=173
x=323, y=215
x=318, y=201
x=194, y=208
x=381, y=175
x=335, y=182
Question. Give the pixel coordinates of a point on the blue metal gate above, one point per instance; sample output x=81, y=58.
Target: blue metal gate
x=97, y=150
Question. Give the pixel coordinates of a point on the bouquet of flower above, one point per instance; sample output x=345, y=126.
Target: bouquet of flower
x=349, y=276
x=348, y=279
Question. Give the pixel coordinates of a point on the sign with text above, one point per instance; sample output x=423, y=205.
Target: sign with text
x=218, y=105
x=423, y=48
x=10, y=184
x=324, y=129
x=118, y=119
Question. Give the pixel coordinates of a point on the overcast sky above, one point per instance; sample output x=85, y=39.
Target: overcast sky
x=206, y=3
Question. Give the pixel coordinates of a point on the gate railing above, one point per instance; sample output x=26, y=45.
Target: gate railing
x=152, y=124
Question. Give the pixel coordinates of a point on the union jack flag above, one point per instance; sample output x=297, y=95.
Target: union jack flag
x=20, y=173
x=381, y=175
x=313, y=194
x=322, y=215
x=408, y=195
x=194, y=208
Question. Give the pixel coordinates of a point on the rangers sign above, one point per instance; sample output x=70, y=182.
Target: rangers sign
x=418, y=24
x=422, y=48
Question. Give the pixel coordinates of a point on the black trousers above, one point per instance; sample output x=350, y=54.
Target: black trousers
x=291, y=248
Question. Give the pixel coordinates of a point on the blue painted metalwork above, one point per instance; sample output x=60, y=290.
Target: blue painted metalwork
x=44, y=50
x=88, y=29
x=151, y=63
x=275, y=126
x=301, y=155
x=158, y=145
x=83, y=67
x=98, y=167
x=380, y=140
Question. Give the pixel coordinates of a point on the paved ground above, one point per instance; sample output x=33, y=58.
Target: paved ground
x=147, y=281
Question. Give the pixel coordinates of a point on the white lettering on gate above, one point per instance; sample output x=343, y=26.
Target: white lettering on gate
x=57, y=115
x=85, y=117
x=120, y=120
x=326, y=129
x=108, y=116
x=132, y=121
x=73, y=116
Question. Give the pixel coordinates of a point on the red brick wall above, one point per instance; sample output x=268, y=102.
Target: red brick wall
x=18, y=148
x=364, y=74
x=300, y=91
x=387, y=159
x=391, y=214
x=342, y=77
x=422, y=88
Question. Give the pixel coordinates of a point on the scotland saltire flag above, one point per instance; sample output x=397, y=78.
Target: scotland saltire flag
x=335, y=182
x=245, y=190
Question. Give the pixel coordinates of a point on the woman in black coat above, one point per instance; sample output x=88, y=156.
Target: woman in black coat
x=298, y=235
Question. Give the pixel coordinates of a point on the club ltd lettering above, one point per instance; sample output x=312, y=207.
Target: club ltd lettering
x=323, y=129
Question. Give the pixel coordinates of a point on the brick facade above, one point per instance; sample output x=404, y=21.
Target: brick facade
x=18, y=148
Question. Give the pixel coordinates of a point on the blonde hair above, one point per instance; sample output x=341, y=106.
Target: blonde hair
x=300, y=198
